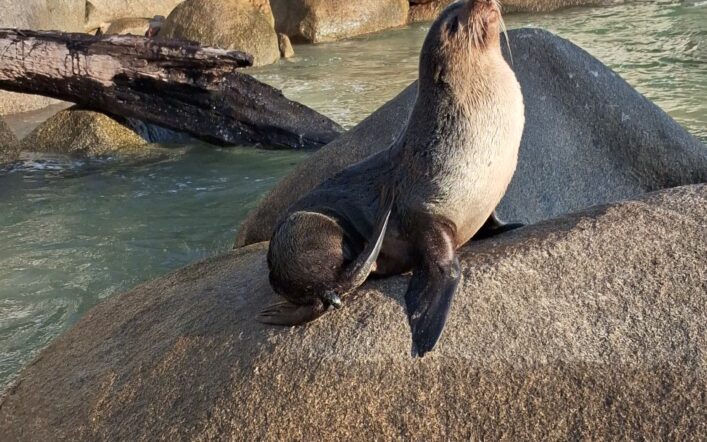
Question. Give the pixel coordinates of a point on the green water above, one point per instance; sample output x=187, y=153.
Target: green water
x=73, y=233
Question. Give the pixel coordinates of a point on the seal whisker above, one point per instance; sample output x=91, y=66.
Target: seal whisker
x=505, y=34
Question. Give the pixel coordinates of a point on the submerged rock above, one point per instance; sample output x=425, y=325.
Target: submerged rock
x=81, y=132
x=317, y=21
x=9, y=146
x=592, y=326
x=589, y=138
x=228, y=24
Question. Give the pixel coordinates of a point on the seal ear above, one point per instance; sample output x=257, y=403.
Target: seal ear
x=429, y=295
x=289, y=314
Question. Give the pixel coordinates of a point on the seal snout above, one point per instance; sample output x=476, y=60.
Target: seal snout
x=483, y=17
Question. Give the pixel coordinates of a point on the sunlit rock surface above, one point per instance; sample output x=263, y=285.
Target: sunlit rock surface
x=316, y=21
x=228, y=24
x=592, y=326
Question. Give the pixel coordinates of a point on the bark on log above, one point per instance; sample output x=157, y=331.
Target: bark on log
x=176, y=84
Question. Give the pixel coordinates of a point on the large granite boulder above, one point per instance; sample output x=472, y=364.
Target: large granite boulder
x=9, y=146
x=83, y=133
x=315, y=21
x=61, y=15
x=589, y=138
x=592, y=326
x=228, y=24
x=429, y=10
x=99, y=12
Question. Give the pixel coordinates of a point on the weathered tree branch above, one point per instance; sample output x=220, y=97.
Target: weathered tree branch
x=176, y=84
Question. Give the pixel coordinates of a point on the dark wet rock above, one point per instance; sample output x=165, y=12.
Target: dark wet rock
x=592, y=326
x=590, y=138
x=315, y=21
x=153, y=133
x=227, y=24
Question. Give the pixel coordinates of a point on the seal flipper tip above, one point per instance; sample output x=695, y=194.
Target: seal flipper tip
x=494, y=226
x=288, y=314
x=428, y=300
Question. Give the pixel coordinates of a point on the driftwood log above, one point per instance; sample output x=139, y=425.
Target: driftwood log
x=176, y=84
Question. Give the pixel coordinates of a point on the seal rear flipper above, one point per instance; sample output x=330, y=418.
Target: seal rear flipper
x=428, y=300
x=494, y=226
x=289, y=314
x=359, y=269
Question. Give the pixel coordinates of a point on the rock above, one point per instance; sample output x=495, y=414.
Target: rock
x=9, y=146
x=263, y=6
x=59, y=15
x=593, y=326
x=228, y=24
x=428, y=10
x=155, y=26
x=134, y=26
x=156, y=134
x=589, y=138
x=286, y=50
x=13, y=103
x=82, y=132
x=317, y=21
x=106, y=11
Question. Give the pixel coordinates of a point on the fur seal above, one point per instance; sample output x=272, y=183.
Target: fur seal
x=410, y=207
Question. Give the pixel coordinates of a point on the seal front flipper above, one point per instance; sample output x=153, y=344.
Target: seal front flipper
x=494, y=226
x=358, y=271
x=289, y=314
x=429, y=295
x=302, y=309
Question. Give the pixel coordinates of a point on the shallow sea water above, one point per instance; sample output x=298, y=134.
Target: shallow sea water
x=75, y=232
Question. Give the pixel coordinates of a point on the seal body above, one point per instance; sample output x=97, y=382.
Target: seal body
x=410, y=207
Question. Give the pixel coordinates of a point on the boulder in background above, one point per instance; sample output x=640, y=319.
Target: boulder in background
x=227, y=24
x=315, y=21
x=99, y=12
